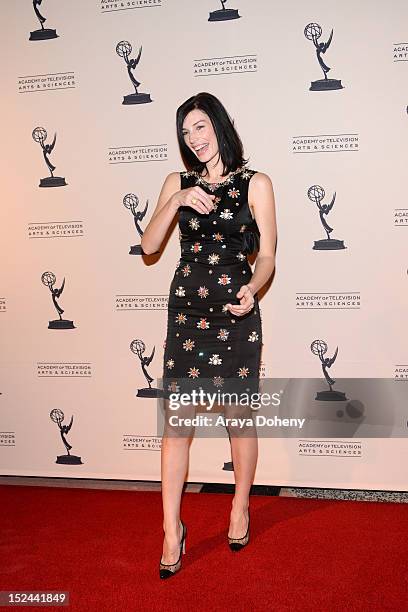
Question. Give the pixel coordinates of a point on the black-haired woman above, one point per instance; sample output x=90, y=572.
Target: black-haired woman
x=226, y=211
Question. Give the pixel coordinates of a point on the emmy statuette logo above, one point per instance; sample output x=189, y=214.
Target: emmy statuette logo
x=313, y=32
x=316, y=195
x=224, y=14
x=57, y=416
x=124, y=49
x=48, y=279
x=40, y=136
x=43, y=33
x=319, y=347
x=131, y=201
x=138, y=347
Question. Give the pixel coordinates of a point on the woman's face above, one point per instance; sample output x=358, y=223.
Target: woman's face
x=199, y=135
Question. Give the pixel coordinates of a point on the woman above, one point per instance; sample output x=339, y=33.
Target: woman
x=214, y=336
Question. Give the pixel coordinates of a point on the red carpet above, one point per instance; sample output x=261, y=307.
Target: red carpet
x=104, y=547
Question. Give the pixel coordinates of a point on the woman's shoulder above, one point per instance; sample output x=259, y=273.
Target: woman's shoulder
x=173, y=179
x=254, y=176
x=187, y=173
x=257, y=177
x=259, y=186
x=187, y=178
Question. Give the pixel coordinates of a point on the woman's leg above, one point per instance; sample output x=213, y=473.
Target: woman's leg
x=174, y=466
x=244, y=451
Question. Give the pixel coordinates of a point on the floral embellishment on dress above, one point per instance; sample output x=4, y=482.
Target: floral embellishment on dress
x=196, y=247
x=246, y=174
x=215, y=359
x=170, y=363
x=188, y=345
x=186, y=270
x=203, y=292
x=180, y=292
x=233, y=193
x=218, y=237
x=194, y=372
x=216, y=201
x=253, y=337
x=243, y=372
x=241, y=256
x=213, y=259
x=194, y=223
x=224, y=279
x=181, y=318
x=226, y=214
x=225, y=308
x=223, y=334
x=203, y=323
x=242, y=228
x=218, y=381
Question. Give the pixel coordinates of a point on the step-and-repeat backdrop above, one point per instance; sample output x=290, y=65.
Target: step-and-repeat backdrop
x=319, y=93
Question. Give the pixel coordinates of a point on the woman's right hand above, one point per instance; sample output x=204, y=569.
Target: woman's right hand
x=196, y=198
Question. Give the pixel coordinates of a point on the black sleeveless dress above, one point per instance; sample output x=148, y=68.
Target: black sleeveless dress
x=206, y=346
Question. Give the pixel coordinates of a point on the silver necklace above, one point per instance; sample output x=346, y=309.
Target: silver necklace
x=214, y=186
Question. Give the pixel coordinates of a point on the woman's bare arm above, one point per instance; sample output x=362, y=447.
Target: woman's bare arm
x=261, y=199
x=170, y=199
x=262, y=202
x=162, y=216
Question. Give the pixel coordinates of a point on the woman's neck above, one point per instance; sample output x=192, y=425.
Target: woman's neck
x=214, y=173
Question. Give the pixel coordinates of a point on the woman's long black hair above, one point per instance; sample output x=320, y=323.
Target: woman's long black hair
x=229, y=143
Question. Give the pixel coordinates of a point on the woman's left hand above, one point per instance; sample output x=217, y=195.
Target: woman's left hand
x=246, y=299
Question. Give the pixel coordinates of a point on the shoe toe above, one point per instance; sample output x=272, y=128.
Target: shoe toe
x=165, y=573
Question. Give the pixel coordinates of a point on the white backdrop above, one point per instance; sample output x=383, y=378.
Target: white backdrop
x=261, y=66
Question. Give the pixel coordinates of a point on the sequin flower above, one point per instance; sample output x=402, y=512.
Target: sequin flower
x=203, y=323
x=194, y=223
x=253, y=337
x=215, y=359
x=213, y=259
x=181, y=318
x=218, y=381
x=224, y=279
x=194, y=372
x=233, y=193
x=180, y=292
x=243, y=372
x=188, y=345
x=223, y=334
x=170, y=363
x=196, y=247
x=226, y=214
x=203, y=292
x=173, y=386
x=186, y=270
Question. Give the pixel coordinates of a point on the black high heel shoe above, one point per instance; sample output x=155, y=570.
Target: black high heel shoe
x=236, y=544
x=165, y=570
